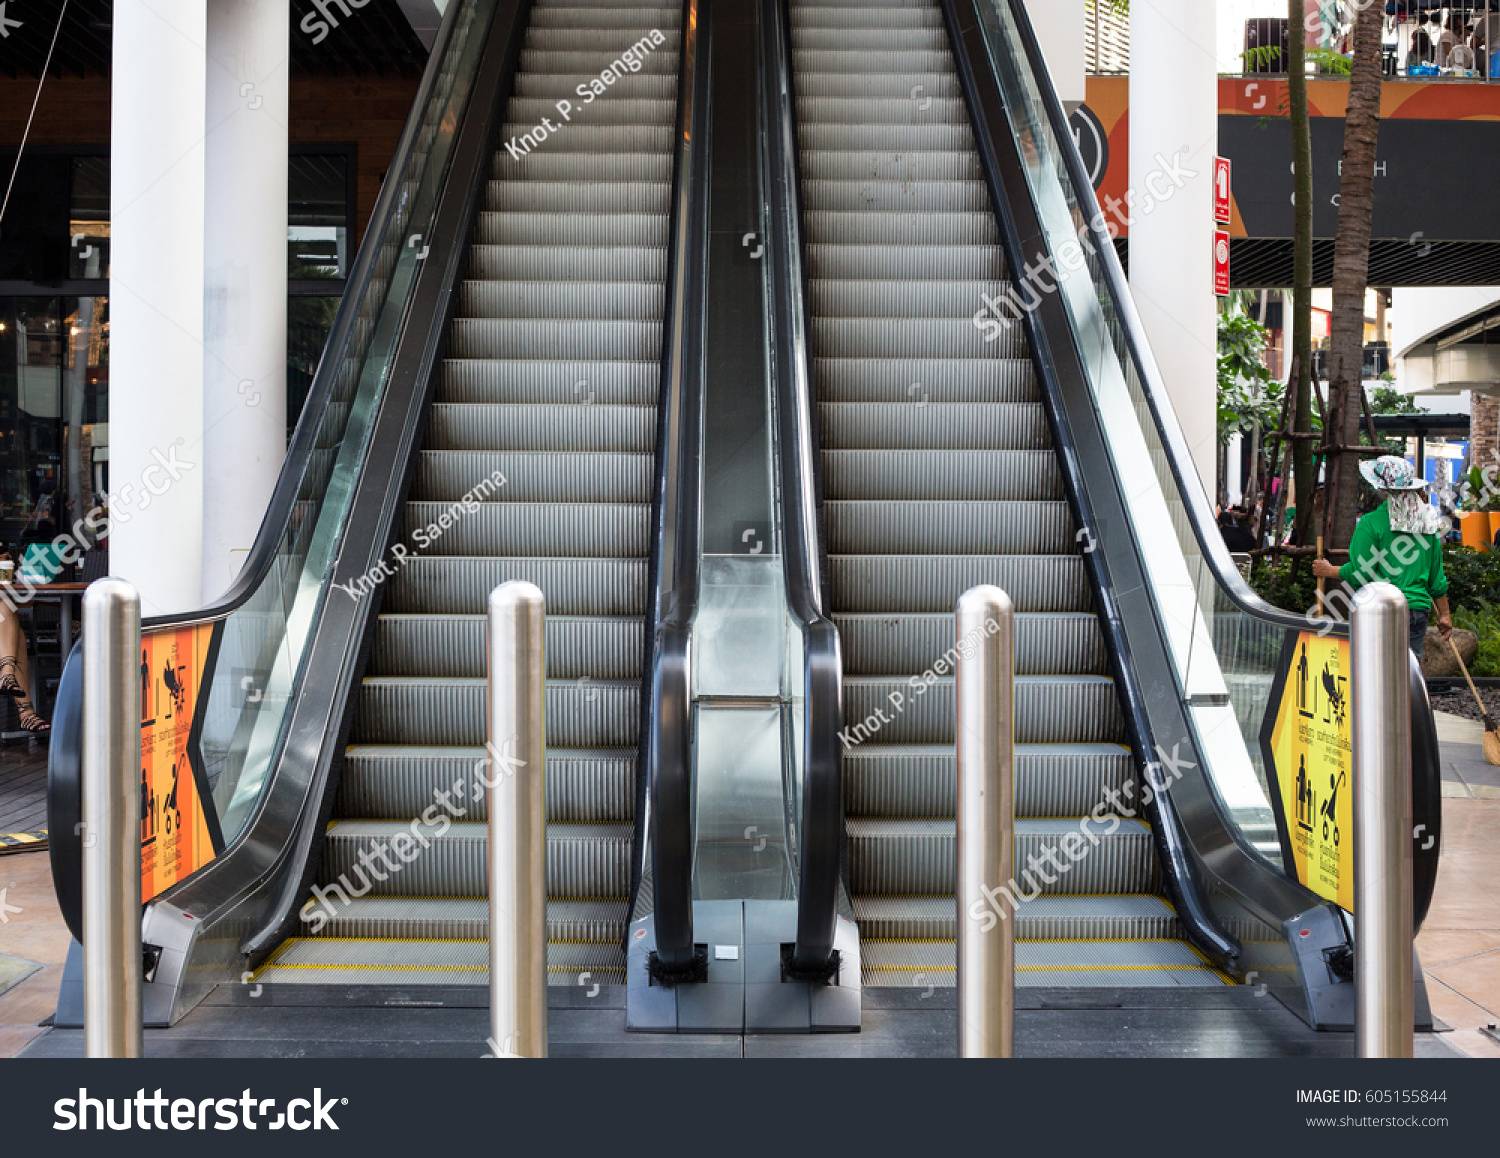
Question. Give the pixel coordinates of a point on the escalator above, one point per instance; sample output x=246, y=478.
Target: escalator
x=939, y=474
x=713, y=356
x=546, y=402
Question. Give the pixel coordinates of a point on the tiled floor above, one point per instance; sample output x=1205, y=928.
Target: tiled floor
x=23, y=789
x=31, y=930
x=1460, y=941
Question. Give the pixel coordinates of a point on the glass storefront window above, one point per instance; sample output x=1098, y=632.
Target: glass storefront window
x=317, y=215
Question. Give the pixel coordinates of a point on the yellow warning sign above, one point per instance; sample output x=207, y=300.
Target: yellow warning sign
x=1307, y=744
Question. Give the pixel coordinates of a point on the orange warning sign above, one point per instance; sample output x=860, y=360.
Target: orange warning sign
x=1306, y=742
x=175, y=837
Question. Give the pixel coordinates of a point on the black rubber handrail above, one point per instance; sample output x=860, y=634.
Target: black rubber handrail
x=799, y=464
x=664, y=823
x=1426, y=759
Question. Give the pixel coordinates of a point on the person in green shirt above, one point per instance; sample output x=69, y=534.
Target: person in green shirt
x=1400, y=542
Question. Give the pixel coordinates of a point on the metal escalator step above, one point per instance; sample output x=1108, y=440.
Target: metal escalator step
x=1072, y=709
x=894, y=228
x=580, y=196
x=585, y=530
x=1046, y=964
x=520, y=426
x=867, y=138
x=529, y=228
x=949, y=528
x=334, y=961
x=906, y=109
x=818, y=16
x=437, y=584
x=394, y=782
x=914, y=338
x=914, y=583
x=905, y=262
x=620, y=111
x=885, y=164
x=1046, y=644
x=916, y=857
x=920, y=381
x=554, y=87
x=520, y=381
x=854, y=38
x=535, y=476
x=1058, y=918
x=611, y=39
x=945, y=425
x=583, y=860
x=450, y=711
x=572, y=300
x=462, y=919
x=565, y=164
x=577, y=647
x=950, y=299
x=888, y=196
x=956, y=475
x=588, y=64
x=544, y=338
x=594, y=15
x=867, y=61
x=918, y=781
x=642, y=263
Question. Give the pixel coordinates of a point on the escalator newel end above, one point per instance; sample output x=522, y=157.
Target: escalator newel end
x=694, y=973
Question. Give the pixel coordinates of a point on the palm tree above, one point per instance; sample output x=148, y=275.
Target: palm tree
x=1302, y=272
x=1351, y=264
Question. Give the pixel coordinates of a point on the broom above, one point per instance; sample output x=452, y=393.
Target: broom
x=1491, y=735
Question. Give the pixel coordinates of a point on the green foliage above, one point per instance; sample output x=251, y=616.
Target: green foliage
x=1283, y=584
x=1483, y=619
x=1477, y=490
x=1473, y=576
x=1386, y=399
x=1268, y=57
x=1247, y=392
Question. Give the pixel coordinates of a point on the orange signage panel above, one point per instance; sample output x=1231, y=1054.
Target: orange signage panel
x=175, y=808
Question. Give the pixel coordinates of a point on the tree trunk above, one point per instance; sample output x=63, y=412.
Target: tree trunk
x=1351, y=264
x=1300, y=354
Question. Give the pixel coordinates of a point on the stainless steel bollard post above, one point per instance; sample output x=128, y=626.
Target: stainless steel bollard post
x=111, y=809
x=1383, y=907
x=986, y=822
x=516, y=749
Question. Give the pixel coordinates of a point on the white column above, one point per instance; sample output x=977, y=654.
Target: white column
x=1174, y=115
x=156, y=301
x=1061, y=31
x=244, y=278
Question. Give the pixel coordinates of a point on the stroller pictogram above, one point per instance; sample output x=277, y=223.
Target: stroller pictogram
x=171, y=812
x=1330, y=815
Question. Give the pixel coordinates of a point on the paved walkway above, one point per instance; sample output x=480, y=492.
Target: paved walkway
x=1459, y=944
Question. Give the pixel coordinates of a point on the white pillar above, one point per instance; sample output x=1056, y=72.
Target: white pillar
x=244, y=280
x=1174, y=113
x=1062, y=32
x=156, y=301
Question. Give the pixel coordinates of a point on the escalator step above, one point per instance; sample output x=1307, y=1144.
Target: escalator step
x=592, y=530
x=931, y=583
x=849, y=298
x=918, y=781
x=1046, y=964
x=447, y=585
x=333, y=961
x=585, y=64
x=1066, y=644
x=617, y=228
x=564, y=163
x=400, y=781
x=961, y=475
x=572, y=300
x=454, y=645
x=464, y=918
x=583, y=860
x=1047, y=918
x=916, y=858
x=589, y=427
x=535, y=476
x=544, y=338
x=960, y=528
x=883, y=164
x=889, y=196
x=946, y=425
x=567, y=263
x=921, y=381
x=450, y=711
x=1049, y=710
x=574, y=383
x=916, y=338
x=578, y=197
